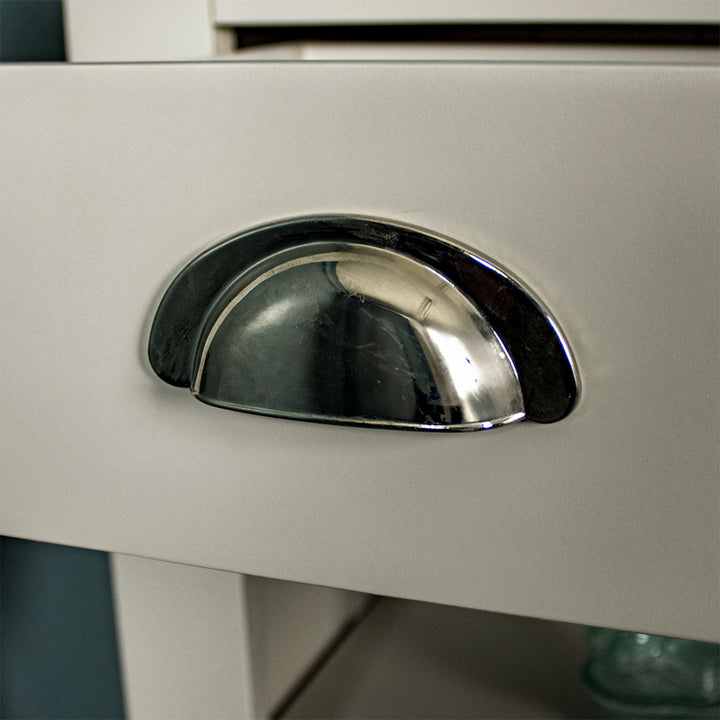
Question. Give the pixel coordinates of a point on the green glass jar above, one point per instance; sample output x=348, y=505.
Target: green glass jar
x=633, y=675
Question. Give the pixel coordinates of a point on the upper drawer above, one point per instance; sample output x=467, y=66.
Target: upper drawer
x=631, y=30
x=597, y=185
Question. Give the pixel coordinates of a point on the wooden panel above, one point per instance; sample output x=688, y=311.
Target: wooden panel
x=417, y=660
x=291, y=626
x=596, y=184
x=183, y=640
x=246, y=12
x=137, y=30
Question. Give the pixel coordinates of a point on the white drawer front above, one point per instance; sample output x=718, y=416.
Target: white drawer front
x=597, y=185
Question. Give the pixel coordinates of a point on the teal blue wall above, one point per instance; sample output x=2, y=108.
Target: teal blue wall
x=31, y=31
x=58, y=654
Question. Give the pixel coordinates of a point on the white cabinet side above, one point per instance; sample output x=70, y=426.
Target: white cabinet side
x=137, y=30
x=183, y=640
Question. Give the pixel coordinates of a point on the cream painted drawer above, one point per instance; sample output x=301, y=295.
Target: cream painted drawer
x=597, y=184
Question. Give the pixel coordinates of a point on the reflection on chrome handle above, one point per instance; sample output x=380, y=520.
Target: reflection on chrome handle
x=357, y=321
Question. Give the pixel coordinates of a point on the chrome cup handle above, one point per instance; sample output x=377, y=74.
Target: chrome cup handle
x=359, y=321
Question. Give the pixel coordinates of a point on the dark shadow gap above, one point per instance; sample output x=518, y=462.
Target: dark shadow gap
x=695, y=35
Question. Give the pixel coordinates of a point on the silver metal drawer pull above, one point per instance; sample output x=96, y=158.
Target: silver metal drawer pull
x=358, y=321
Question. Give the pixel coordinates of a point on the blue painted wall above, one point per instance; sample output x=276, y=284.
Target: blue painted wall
x=58, y=656
x=31, y=31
